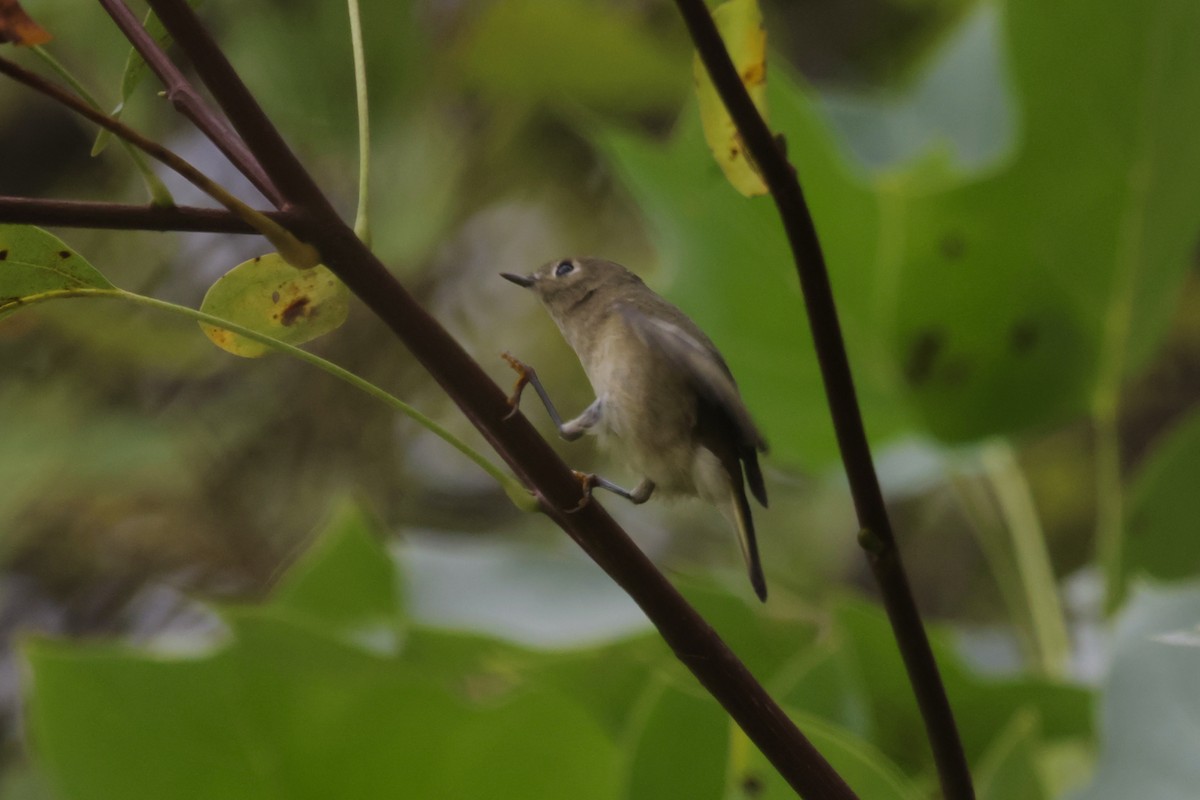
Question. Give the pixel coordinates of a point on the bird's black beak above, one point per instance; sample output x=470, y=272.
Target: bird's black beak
x=520, y=280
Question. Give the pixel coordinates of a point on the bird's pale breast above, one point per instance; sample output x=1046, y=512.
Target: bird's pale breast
x=649, y=409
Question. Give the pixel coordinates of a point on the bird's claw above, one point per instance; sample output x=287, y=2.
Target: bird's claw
x=523, y=371
x=587, y=480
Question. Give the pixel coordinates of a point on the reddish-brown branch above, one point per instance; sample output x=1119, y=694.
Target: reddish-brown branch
x=881, y=549
x=120, y=216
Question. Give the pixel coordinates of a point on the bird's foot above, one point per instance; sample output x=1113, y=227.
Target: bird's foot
x=525, y=374
x=588, y=481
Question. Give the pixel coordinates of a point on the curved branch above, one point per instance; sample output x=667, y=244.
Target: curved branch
x=878, y=539
x=694, y=642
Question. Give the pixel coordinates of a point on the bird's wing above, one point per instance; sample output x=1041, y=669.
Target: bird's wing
x=703, y=364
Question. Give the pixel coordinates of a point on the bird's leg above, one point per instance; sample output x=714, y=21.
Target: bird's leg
x=570, y=430
x=640, y=494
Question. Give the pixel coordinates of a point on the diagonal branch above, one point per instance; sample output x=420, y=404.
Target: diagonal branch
x=121, y=216
x=694, y=642
x=188, y=102
x=877, y=537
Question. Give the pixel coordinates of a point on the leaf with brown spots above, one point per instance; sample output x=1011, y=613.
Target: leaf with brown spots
x=740, y=24
x=34, y=264
x=268, y=295
x=17, y=27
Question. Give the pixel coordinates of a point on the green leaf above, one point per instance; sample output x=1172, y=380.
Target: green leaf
x=1009, y=769
x=278, y=714
x=345, y=581
x=1014, y=289
x=1164, y=506
x=768, y=644
x=269, y=296
x=34, y=264
x=686, y=746
x=680, y=748
x=864, y=767
x=609, y=681
x=537, y=744
x=285, y=711
x=1150, y=702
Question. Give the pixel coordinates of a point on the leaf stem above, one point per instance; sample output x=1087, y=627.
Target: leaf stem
x=362, y=223
x=1110, y=505
x=1052, y=644
x=1106, y=404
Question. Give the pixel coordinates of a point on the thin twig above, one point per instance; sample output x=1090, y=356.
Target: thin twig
x=534, y=461
x=883, y=555
x=122, y=216
x=184, y=97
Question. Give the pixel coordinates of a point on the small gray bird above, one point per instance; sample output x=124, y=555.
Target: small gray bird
x=665, y=400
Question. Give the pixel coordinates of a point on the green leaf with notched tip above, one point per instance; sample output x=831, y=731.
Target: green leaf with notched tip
x=268, y=295
x=34, y=264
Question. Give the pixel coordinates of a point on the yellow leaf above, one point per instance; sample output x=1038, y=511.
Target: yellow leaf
x=740, y=25
x=268, y=295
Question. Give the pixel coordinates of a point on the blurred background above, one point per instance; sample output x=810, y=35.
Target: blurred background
x=1007, y=195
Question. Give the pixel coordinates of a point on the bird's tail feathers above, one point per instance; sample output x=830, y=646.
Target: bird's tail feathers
x=754, y=475
x=746, y=538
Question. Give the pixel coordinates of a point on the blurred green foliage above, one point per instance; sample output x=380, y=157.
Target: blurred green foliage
x=1013, y=282
x=335, y=687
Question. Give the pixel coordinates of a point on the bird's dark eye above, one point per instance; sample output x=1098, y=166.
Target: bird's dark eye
x=563, y=268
